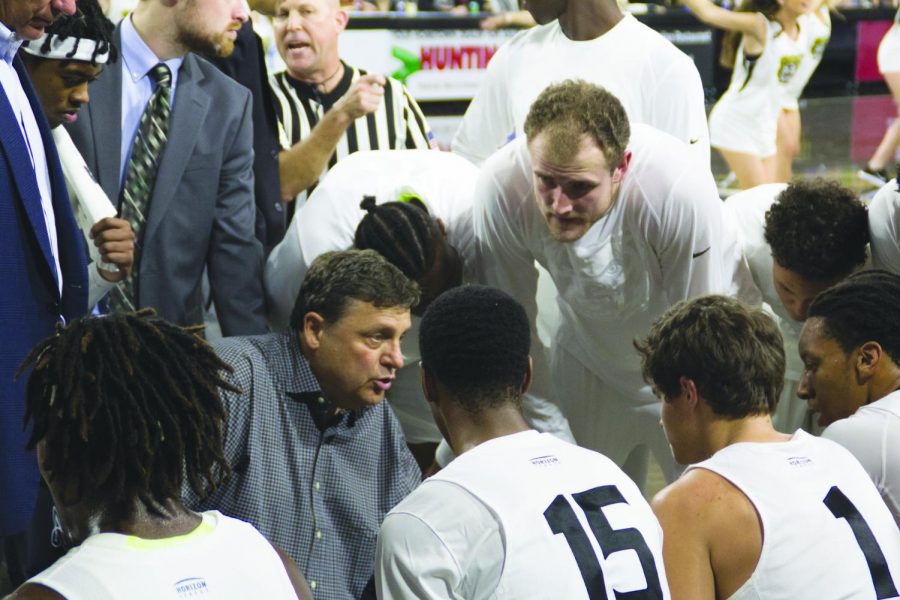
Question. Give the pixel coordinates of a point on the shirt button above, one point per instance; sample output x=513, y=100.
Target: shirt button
x=318, y=535
x=316, y=485
x=320, y=400
x=312, y=584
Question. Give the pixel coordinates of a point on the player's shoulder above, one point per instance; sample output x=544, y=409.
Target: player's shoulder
x=704, y=499
x=654, y=46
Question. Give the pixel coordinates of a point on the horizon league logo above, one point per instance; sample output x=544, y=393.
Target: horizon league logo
x=191, y=587
x=440, y=58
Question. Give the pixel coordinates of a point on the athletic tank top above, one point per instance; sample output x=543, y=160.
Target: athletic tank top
x=221, y=558
x=574, y=526
x=826, y=531
x=757, y=84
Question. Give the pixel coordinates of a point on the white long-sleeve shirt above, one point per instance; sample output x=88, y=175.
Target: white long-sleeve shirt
x=663, y=240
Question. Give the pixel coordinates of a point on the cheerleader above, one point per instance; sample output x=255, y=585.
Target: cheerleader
x=765, y=45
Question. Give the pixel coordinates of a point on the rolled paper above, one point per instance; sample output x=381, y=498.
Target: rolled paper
x=89, y=201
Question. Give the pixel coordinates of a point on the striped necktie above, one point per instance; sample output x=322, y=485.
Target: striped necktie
x=134, y=202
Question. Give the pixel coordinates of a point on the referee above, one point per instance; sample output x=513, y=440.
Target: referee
x=328, y=109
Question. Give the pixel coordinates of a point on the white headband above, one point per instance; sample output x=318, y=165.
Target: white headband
x=65, y=49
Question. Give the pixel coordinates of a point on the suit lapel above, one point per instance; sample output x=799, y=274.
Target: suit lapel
x=21, y=168
x=188, y=113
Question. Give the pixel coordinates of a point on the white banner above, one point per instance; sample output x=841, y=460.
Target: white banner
x=438, y=64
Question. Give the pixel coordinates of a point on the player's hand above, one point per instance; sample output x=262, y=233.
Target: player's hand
x=115, y=241
x=363, y=97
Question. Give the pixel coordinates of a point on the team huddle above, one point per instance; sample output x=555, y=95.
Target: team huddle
x=448, y=375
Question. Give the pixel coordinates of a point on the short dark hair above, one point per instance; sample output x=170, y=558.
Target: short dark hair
x=475, y=340
x=127, y=406
x=88, y=23
x=403, y=232
x=818, y=229
x=574, y=108
x=862, y=308
x=335, y=278
x=734, y=353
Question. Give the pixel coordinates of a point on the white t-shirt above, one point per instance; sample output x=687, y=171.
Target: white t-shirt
x=884, y=228
x=872, y=435
x=658, y=84
x=663, y=240
x=222, y=558
x=518, y=517
x=815, y=28
x=822, y=517
x=328, y=221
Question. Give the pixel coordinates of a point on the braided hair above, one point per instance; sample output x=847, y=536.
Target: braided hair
x=403, y=232
x=88, y=22
x=126, y=406
x=864, y=307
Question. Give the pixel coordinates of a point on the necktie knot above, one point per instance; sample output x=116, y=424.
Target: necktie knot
x=161, y=74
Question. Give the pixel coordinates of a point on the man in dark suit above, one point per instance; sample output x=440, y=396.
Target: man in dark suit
x=42, y=262
x=200, y=209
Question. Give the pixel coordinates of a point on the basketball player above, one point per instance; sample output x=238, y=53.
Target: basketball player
x=594, y=40
x=519, y=514
x=851, y=354
x=759, y=514
x=797, y=240
x=627, y=222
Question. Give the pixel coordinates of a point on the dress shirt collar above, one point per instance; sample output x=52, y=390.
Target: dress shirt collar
x=138, y=58
x=9, y=43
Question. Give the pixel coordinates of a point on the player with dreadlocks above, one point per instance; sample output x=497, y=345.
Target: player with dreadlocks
x=125, y=408
x=61, y=64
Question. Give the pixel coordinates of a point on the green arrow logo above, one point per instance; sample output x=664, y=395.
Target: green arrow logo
x=411, y=63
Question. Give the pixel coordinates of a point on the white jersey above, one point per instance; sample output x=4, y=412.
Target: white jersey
x=753, y=99
x=884, y=228
x=328, y=221
x=657, y=84
x=222, y=558
x=662, y=241
x=872, y=435
x=522, y=516
x=827, y=533
x=815, y=29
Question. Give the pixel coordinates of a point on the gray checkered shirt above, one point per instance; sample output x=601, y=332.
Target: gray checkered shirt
x=318, y=492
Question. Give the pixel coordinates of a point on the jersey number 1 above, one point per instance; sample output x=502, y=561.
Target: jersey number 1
x=562, y=519
x=841, y=507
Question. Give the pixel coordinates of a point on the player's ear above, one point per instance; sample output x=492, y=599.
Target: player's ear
x=529, y=372
x=868, y=357
x=622, y=168
x=429, y=385
x=689, y=390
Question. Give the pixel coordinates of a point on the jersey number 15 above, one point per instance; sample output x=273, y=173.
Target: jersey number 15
x=562, y=520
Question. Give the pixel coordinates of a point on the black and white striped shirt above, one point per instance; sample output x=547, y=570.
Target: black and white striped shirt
x=397, y=124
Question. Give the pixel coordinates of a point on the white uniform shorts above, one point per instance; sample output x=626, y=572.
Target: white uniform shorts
x=729, y=129
x=889, y=51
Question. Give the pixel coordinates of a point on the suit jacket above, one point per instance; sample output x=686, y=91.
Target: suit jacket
x=247, y=66
x=30, y=301
x=202, y=211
